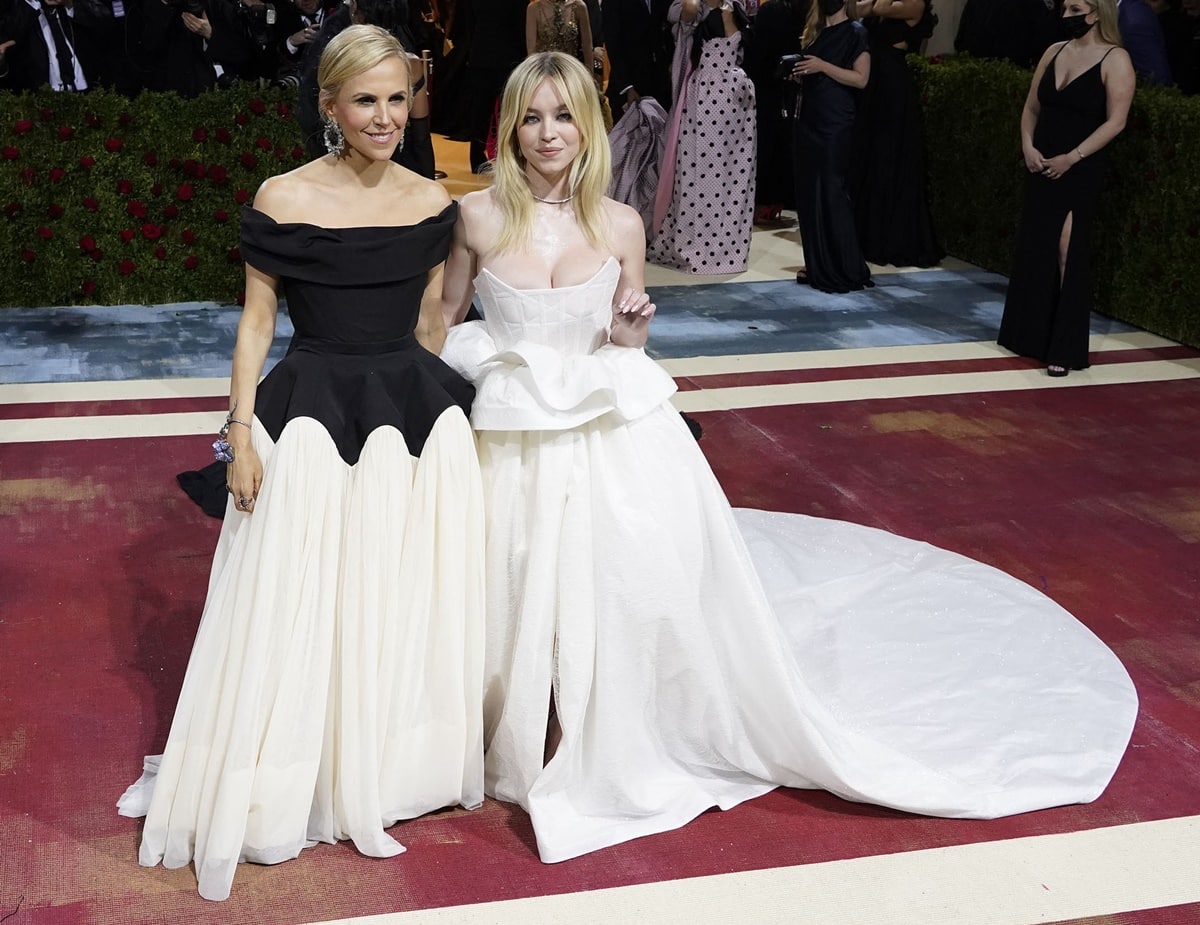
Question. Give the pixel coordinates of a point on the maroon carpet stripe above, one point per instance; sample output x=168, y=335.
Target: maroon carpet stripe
x=1091, y=494
x=79, y=409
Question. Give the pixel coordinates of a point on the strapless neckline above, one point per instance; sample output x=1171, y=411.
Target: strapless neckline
x=587, y=282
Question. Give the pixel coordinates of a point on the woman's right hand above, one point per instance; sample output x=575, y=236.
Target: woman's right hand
x=243, y=477
x=1034, y=162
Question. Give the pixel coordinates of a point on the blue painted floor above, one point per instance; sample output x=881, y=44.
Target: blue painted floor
x=195, y=340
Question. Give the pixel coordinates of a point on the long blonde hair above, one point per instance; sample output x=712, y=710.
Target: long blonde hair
x=1107, y=26
x=354, y=51
x=590, y=171
x=814, y=24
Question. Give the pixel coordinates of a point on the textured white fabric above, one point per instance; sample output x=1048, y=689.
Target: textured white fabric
x=700, y=656
x=334, y=685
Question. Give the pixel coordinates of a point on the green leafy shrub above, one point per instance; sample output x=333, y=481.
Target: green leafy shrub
x=115, y=201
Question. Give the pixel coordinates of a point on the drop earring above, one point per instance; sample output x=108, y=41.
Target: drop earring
x=335, y=141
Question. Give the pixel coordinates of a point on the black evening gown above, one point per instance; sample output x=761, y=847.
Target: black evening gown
x=335, y=681
x=894, y=223
x=824, y=138
x=1044, y=318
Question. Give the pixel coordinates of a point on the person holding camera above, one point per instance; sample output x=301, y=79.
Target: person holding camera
x=833, y=68
x=298, y=25
x=193, y=45
x=52, y=42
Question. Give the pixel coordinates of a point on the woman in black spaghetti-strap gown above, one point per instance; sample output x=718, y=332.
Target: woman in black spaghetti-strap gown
x=1077, y=103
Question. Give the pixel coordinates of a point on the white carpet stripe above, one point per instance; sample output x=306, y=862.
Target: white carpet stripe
x=804, y=393
x=116, y=390
x=99, y=427
x=1016, y=882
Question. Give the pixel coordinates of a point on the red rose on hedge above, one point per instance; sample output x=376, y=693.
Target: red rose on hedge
x=280, y=153
x=55, y=210
x=282, y=108
x=160, y=252
x=185, y=192
x=190, y=262
x=257, y=106
x=45, y=114
x=189, y=237
x=11, y=153
x=21, y=127
x=56, y=174
x=124, y=187
x=241, y=196
x=151, y=232
x=218, y=174
x=171, y=211
x=92, y=119
x=96, y=254
x=87, y=162
x=87, y=243
x=241, y=118
x=155, y=189
x=126, y=267
x=264, y=143
x=234, y=255
x=87, y=287
x=220, y=216
x=28, y=256
x=66, y=133
x=249, y=161
x=90, y=204
x=297, y=153
x=45, y=233
x=223, y=135
x=150, y=159
x=200, y=134
x=12, y=209
x=126, y=235
x=113, y=145
x=136, y=209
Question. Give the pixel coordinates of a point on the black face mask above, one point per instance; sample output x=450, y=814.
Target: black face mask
x=1076, y=27
x=830, y=7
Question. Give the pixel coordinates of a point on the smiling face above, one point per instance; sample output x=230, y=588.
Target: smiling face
x=547, y=134
x=372, y=109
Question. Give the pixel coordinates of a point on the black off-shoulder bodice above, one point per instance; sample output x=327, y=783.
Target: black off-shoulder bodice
x=354, y=296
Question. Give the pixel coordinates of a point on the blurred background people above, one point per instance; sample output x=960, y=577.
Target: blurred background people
x=1016, y=30
x=190, y=46
x=60, y=43
x=704, y=212
x=833, y=70
x=1142, y=36
x=1077, y=103
x=892, y=211
x=638, y=44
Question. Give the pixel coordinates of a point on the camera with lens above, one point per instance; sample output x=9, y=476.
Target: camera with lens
x=195, y=7
x=783, y=69
x=259, y=20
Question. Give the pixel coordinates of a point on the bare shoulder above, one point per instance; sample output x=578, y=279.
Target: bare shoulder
x=480, y=220
x=286, y=193
x=420, y=193
x=625, y=222
x=1117, y=62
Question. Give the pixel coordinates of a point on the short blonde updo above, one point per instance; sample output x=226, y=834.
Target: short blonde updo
x=354, y=51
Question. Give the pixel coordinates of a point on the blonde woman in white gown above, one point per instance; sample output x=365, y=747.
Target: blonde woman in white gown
x=651, y=652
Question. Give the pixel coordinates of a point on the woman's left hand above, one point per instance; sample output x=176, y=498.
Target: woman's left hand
x=1056, y=166
x=809, y=64
x=631, y=319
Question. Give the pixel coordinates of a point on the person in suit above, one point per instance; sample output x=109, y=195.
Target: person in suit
x=1142, y=37
x=495, y=45
x=638, y=41
x=190, y=45
x=53, y=42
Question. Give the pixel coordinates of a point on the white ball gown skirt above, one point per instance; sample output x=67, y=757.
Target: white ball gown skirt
x=699, y=656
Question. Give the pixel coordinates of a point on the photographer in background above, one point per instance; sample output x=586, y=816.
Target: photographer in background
x=299, y=23
x=54, y=42
x=192, y=45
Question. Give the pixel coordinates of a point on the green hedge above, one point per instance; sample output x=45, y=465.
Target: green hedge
x=115, y=201
x=1145, y=236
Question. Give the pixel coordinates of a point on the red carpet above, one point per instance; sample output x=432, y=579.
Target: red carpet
x=1090, y=493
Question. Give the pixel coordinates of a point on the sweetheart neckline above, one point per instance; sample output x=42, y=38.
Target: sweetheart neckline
x=587, y=282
